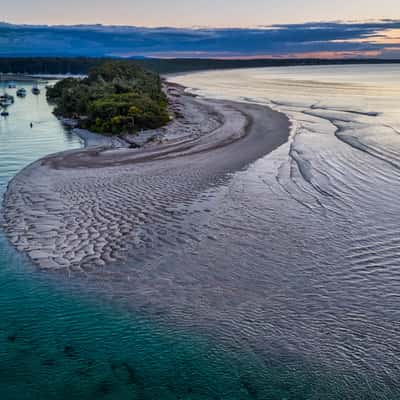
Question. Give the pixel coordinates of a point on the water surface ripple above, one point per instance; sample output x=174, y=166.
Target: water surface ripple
x=310, y=234
x=285, y=275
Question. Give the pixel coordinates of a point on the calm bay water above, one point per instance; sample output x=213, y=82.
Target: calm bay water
x=58, y=343
x=292, y=291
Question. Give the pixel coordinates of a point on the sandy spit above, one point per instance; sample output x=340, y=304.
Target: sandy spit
x=85, y=209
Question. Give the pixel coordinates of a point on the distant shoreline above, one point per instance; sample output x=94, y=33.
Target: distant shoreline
x=79, y=210
x=62, y=66
x=4, y=77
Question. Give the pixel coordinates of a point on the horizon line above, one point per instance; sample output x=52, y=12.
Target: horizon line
x=194, y=27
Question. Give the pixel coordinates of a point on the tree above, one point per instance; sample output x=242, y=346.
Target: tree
x=117, y=97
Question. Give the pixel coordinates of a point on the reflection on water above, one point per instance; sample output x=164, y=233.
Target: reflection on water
x=283, y=277
x=57, y=342
x=57, y=345
x=312, y=229
x=19, y=143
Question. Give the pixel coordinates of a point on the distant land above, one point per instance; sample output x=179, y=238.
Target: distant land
x=82, y=65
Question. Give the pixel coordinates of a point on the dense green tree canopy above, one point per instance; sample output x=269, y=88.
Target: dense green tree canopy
x=117, y=97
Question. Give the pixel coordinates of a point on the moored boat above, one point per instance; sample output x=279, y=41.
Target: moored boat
x=6, y=100
x=35, y=89
x=21, y=92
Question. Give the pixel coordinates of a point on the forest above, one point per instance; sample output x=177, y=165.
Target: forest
x=116, y=97
x=82, y=65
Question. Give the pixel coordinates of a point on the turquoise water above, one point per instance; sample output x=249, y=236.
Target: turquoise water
x=56, y=345
x=311, y=333
x=57, y=341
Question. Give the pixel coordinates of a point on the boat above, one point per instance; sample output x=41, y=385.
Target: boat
x=21, y=92
x=5, y=103
x=6, y=100
x=35, y=89
x=8, y=96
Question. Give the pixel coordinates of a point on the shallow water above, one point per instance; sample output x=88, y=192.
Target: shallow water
x=56, y=342
x=60, y=340
x=313, y=229
x=280, y=282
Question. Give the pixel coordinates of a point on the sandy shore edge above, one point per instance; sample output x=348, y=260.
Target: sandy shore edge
x=83, y=209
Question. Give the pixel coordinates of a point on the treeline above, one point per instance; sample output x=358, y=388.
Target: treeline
x=51, y=66
x=82, y=65
x=117, y=97
x=170, y=66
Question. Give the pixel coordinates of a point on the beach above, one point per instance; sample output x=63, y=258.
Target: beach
x=79, y=210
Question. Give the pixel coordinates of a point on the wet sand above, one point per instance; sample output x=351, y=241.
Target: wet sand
x=80, y=210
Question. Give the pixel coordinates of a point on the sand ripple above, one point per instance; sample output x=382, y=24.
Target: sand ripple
x=84, y=209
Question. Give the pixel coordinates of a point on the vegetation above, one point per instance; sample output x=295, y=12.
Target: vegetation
x=116, y=97
x=82, y=65
x=44, y=65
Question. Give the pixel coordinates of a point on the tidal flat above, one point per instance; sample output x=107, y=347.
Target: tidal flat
x=270, y=276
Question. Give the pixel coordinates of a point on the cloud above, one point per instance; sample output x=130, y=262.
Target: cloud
x=314, y=39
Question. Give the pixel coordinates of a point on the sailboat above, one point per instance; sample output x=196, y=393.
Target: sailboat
x=4, y=113
x=35, y=89
x=21, y=92
x=5, y=99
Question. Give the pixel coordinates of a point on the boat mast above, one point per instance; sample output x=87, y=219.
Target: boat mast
x=1, y=83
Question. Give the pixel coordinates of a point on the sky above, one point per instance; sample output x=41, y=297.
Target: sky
x=187, y=13
x=202, y=28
